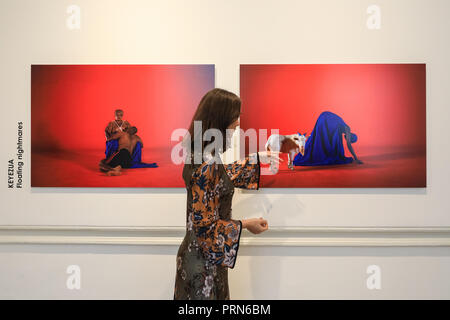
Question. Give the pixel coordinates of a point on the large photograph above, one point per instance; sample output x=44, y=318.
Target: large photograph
x=111, y=125
x=339, y=125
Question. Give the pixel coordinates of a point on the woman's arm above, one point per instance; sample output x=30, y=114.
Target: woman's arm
x=245, y=173
x=218, y=238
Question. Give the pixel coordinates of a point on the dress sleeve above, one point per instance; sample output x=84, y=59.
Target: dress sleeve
x=218, y=238
x=245, y=173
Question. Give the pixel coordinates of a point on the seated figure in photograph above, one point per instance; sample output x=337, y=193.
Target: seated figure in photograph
x=325, y=146
x=118, y=125
x=127, y=154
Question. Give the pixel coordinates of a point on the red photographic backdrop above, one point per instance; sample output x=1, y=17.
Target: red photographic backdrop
x=384, y=104
x=71, y=106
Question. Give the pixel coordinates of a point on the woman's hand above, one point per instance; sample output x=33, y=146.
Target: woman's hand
x=255, y=225
x=269, y=156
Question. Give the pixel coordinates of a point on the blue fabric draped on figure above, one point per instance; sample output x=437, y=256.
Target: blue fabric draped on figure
x=324, y=145
x=113, y=146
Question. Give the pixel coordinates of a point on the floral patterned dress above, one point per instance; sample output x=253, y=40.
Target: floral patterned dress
x=211, y=243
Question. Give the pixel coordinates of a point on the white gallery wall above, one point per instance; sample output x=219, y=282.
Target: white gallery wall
x=315, y=249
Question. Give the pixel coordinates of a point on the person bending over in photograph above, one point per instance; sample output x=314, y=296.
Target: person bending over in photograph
x=122, y=158
x=325, y=146
x=118, y=125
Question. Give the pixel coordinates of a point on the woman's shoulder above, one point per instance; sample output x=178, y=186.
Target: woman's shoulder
x=208, y=169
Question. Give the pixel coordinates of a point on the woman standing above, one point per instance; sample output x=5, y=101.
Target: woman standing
x=211, y=243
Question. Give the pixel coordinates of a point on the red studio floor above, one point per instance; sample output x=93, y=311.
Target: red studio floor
x=383, y=167
x=80, y=169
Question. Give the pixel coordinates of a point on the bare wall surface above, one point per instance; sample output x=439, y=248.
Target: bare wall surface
x=148, y=272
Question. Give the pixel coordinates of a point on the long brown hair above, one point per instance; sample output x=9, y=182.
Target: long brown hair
x=217, y=109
